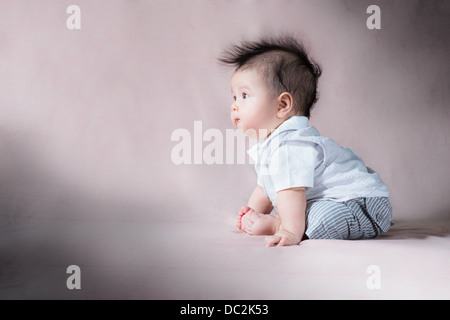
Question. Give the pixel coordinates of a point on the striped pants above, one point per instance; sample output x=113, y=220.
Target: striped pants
x=360, y=218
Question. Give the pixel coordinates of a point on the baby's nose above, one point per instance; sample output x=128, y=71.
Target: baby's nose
x=234, y=107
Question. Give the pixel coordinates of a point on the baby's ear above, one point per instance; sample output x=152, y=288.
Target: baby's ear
x=285, y=104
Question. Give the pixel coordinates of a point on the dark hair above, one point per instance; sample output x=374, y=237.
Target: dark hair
x=285, y=65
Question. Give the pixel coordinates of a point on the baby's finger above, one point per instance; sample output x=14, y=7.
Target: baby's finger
x=282, y=242
x=272, y=240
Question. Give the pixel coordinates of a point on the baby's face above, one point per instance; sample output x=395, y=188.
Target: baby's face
x=254, y=108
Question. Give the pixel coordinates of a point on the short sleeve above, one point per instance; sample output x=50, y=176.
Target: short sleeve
x=259, y=181
x=293, y=164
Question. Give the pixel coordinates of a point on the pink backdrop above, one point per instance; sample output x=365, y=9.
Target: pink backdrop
x=90, y=112
x=86, y=116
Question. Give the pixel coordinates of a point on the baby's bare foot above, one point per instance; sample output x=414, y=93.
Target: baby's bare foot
x=257, y=224
x=243, y=211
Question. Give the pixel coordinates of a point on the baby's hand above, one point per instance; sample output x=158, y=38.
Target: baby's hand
x=283, y=238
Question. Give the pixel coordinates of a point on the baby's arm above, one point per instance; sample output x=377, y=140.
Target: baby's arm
x=259, y=202
x=291, y=205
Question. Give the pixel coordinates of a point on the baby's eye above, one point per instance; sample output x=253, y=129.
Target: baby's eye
x=234, y=98
x=244, y=95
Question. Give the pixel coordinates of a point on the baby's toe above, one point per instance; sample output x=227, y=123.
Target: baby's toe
x=244, y=209
x=239, y=222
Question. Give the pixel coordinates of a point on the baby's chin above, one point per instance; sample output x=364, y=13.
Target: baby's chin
x=251, y=132
x=257, y=134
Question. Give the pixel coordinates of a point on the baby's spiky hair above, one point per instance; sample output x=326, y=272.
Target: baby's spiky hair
x=284, y=63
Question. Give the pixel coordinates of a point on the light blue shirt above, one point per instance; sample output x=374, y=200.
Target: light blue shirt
x=295, y=155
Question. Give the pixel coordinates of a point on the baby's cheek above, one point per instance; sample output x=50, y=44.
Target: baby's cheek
x=257, y=121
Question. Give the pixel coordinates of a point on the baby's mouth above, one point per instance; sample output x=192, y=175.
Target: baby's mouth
x=236, y=122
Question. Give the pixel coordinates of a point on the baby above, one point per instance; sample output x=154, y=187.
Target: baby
x=318, y=189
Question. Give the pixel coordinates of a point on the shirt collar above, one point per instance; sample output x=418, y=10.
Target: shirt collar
x=293, y=123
